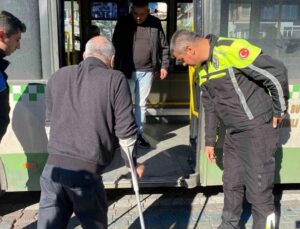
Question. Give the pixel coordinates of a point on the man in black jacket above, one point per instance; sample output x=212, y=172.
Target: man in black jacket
x=141, y=53
x=10, y=37
x=87, y=106
x=248, y=91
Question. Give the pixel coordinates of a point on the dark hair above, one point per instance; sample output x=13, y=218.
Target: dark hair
x=11, y=24
x=139, y=3
x=93, y=30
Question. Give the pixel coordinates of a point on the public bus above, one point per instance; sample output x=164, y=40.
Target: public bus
x=55, y=37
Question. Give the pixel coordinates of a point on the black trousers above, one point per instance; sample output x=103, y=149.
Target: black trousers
x=64, y=192
x=249, y=162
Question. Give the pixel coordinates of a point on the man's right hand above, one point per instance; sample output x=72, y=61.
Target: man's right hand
x=140, y=170
x=210, y=153
x=163, y=73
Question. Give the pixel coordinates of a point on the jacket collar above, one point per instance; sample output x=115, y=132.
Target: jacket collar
x=212, y=42
x=213, y=39
x=3, y=63
x=95, y=61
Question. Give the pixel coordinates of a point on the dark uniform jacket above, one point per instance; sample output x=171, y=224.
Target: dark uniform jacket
x=240, y=86
x=87, y=105
x=123, y=39
x=4, y=96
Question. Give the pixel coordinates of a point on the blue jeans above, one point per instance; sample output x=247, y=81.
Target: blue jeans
x=140, y=85
x=64, y=192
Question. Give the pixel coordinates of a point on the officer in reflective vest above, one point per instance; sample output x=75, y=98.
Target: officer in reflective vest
x=247, y=91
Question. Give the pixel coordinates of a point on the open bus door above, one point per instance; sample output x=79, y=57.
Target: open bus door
x=55, y=38
x=171, y=161
x=273, y=26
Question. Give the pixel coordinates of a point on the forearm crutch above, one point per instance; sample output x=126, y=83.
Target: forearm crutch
x=128, y=153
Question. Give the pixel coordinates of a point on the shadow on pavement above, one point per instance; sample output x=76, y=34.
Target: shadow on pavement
x=181, y=215
x=14, y=201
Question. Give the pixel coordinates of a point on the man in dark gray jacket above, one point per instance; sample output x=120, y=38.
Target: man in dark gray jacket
x=142, y=52
x=87, y=106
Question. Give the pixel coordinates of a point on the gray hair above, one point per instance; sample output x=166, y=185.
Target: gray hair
x=181, y=39
x=11, y=24
x=100, y=47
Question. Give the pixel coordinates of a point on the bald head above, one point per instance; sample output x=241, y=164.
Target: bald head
x=101, y=48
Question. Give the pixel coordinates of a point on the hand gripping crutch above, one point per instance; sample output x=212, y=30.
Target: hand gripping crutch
x=270, y=221
x=128, y=151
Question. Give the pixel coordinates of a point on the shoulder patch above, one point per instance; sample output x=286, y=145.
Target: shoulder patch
x=215, y=62
x=244, y=53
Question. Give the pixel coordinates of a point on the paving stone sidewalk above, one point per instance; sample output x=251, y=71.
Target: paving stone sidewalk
x=180, y=209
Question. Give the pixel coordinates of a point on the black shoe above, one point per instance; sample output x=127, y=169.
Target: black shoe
x=141, y=142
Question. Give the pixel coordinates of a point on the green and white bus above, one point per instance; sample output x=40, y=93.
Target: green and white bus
x=55, y=37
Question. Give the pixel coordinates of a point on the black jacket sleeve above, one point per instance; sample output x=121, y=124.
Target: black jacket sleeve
x=164, y=48
x=117, y=43
x=272, y=74
x=211, y=120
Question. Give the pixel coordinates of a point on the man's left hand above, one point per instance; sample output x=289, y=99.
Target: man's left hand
x=163, y=73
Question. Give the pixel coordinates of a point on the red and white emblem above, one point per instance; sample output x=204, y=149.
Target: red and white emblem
x=244, y=53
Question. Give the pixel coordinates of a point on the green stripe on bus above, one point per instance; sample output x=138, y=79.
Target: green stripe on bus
x=26, y=92
x=23, y=170
x=32, y=92
x=294, y=91
x=287, y=165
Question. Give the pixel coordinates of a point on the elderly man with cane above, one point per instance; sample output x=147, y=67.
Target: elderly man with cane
x=87, y=106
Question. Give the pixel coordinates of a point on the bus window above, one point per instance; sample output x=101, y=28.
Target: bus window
x=159, y=10
x=279, y=27
x=72, y=32
x=184, y=16
x=105, y=15
x=184, y=20
x=239, y=20
x=104, y=10
x=272, y=25
x=26, y=63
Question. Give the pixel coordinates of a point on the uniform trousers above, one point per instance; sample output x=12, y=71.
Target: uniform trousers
x=249, y=169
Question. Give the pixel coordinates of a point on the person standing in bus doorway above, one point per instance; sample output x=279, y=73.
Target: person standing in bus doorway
x=87, y=106
x=142, y=52
x=10, y=36
x=248, y=91
x=93, y=31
